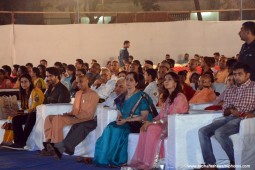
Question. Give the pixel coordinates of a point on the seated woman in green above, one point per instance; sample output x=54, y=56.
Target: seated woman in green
x=111, y=147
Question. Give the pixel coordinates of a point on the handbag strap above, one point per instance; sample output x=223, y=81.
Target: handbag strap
x=135, y=107
x=153, y=109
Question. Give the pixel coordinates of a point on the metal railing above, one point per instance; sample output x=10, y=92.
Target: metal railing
x=42, y=17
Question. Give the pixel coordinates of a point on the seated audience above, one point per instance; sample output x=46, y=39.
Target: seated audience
x=109, y=64
x=5, y=83
x=130, y=58
x=239, y=103
x=85, y=66
x=148, y=64
x=58, y=65
x=122, y=74
x=197, y=57
x=44, y=62
x=216, y=56
x=37, y=79
x=70, y=76
x=230, y=64
x=206, y=64
x=22, y=70
x=82, y=117
x=186, y=89
x=78, y=64
x=62, y=72
x=194, y=78
x=230, y=81
x=163, y=68
x=56, y=92
x=192, y=69
x=152, y=134
x=167, y=56
x=30, y=97
x=127, y=66
x=79, y=72
x=14, y=73
x=205, y=94
x=120, y=87
x=171, y=63
x=115, y=68
x=111, y=147
x=104, y=85
x=222, y=74
x=94, y=73
x=185, y=60
x=29, y=67
x=8, y=72
x=136, y=67
x=160, y=85
x=151, y=89
x=42, y=70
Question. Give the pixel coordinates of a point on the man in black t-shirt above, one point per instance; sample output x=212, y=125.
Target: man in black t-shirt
x=247, y=53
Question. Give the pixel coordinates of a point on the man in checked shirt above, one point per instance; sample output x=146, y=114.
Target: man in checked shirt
x=239, y=103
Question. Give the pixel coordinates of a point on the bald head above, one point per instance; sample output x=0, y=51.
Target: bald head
x=82, y=82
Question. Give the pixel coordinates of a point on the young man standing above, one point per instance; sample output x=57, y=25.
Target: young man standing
x=247, y=53
x=124, y=54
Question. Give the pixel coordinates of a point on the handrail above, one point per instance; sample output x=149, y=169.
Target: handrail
x=105, y=12
x=175, y=15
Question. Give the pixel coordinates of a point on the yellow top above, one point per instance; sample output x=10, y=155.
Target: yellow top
x=36, y=98
x=39, y=82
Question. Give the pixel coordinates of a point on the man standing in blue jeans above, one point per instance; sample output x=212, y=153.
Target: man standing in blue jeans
x=239, y=103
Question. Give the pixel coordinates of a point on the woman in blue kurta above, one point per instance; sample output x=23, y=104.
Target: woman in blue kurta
x=111, y=147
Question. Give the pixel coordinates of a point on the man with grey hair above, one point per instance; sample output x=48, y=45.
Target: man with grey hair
x=120, y=87
x=104, y=85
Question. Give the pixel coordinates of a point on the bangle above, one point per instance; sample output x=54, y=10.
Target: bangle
x=154, y=122
x=161, y=121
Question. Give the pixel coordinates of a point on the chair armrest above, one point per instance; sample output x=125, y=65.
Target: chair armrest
x=247, y=127
x=201, y=106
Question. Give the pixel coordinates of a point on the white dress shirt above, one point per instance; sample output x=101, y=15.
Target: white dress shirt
x=152, y=91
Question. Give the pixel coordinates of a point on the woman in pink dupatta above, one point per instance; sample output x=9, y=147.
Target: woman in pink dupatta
x=151, y=132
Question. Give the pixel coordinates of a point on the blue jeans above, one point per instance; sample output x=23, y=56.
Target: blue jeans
x=221, y=128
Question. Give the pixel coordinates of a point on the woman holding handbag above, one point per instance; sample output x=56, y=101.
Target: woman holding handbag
x=30, y=97
x=152, y=134
x=111, y=147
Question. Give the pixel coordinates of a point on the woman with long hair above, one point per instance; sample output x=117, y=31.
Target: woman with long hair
x=42, y=69
x=4, y=82
x=111, y=147
x=37, y=79
x=150, y=142
x=21, y=70
x=30, y=97
x=71, y=71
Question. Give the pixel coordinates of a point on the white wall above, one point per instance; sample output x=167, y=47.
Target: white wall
x=65, y=43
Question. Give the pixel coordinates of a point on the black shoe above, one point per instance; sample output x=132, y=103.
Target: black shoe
x=51, y=148
x=15, y=147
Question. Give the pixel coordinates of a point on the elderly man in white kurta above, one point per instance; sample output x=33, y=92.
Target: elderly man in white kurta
x=104, y=85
